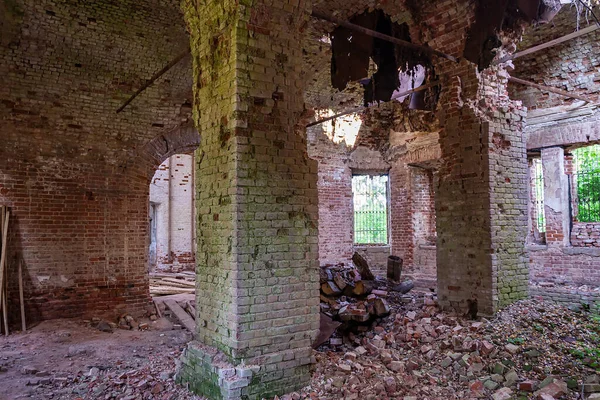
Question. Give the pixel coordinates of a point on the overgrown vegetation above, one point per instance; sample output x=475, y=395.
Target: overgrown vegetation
x=587, y=177
x=370, y=209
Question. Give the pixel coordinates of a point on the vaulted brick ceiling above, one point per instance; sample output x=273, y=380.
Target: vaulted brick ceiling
x=573, y=66
x=67, y=66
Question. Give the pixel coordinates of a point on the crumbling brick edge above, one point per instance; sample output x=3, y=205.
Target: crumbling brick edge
x=207, y=371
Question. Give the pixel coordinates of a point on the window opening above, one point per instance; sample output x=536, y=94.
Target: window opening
x=587, y=182
x=539, y=216
x=370, y=194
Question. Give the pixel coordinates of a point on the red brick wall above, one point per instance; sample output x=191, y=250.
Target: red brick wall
x=336, y=218
x=423, y=220
x=337, y=161
x=81, y=233
x=401, y=214
x=74, y=172
x=574, y=265
x=81, y=230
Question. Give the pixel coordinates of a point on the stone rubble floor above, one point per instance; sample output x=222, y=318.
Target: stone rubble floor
x=415, y=353
x=530, y=350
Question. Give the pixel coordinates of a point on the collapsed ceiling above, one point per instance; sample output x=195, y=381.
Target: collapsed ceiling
x=494, y=17
x=398, y=68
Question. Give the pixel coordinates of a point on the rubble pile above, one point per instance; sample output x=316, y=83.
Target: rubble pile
x=347, y=297
x=531, y=350
x=125, y=321
x=153, y=380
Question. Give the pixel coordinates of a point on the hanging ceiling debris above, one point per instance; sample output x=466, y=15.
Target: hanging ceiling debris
x=495, y=16
x=398, y=67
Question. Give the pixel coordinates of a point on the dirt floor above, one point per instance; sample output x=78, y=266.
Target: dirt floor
x=70, y=359
x=530, y=350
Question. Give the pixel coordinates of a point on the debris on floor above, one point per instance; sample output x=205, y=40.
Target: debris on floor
x=413, y=351
x=71, y=359
x=180, y=308
x=162, y=284
x=348, y=297
x=530, y=350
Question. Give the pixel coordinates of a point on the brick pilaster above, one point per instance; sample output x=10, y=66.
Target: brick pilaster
x=257, y=257
x=481, y=207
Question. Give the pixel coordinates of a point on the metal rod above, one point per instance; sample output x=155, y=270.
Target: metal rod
x=382, y=36
x=154, y=77
x=551, y=43
x=361, y=108
x=549, y=89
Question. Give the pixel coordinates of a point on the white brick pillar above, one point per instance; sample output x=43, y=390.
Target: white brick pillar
x=556, y=196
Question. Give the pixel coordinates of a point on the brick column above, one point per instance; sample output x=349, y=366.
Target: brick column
x=556, y=196
x=481, y=199
x=401, y=214
x=257, y=259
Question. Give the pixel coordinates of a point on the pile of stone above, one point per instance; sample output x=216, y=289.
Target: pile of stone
x=531, y=350
x=125, y=321
x=346, y=296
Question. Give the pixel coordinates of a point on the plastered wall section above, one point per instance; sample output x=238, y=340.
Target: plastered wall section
x=172, y=194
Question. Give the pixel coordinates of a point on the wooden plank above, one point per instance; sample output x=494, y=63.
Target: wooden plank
x=21, y=302
x=5, y=222
x=192, y=309
x=379, y=35
x=179, y=282
x=181, y=315
x=165, y=291
x=549, y=44
x=158, y=283
x=158, y=313
x=553, y=115
x=549, y=89
x=159, y=275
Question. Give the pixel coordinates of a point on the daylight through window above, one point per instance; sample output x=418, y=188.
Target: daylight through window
x=370, y=209
x=587, y=182
x=539, y=216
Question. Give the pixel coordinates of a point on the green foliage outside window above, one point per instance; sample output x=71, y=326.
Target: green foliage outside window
x=370, y=209
x=587, y=177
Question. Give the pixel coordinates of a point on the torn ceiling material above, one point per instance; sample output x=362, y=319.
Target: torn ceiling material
x=495, y=16
x=352, y=51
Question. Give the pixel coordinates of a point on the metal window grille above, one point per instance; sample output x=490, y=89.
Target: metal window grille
x=370, y=209
x=587, y=183
x=539, y=216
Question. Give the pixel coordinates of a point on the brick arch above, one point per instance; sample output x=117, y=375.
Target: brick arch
x=182, y=139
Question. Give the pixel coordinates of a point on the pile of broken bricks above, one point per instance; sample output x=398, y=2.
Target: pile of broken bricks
x=351, y=295
x=346, y=295
x=530, y=350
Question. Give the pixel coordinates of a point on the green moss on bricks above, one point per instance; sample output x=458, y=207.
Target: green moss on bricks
x=13, y=9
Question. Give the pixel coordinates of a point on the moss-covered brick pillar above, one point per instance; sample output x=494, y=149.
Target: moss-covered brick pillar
x=481, y=199
x=257, y=252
